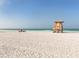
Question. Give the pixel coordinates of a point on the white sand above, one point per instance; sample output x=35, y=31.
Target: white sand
x=39, y=44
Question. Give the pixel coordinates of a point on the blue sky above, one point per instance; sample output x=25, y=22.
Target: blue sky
x=38, y=13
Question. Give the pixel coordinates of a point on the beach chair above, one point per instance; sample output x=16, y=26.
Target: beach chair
x=21, y=30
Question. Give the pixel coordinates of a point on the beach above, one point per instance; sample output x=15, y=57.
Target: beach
x=39, y=44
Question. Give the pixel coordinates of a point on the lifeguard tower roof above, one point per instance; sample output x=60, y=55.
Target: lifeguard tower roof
x=59, y=21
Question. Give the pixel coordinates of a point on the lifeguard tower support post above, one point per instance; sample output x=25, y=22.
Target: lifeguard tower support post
x=58, y=26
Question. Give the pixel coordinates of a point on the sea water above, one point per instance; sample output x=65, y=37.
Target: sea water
x=43, y=30
x=50, y=30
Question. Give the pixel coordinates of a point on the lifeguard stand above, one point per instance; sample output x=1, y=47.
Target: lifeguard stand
x=58, y=26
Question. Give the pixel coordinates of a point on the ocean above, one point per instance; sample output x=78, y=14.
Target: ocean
x=43, y=30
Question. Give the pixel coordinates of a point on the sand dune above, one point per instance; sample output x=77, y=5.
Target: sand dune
x=39, y=44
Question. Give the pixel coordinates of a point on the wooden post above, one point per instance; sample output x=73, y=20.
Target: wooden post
x=58, y=26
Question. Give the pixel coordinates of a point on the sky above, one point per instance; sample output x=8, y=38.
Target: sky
x=38, y=13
